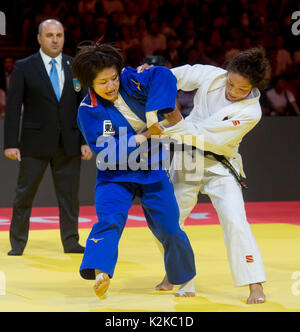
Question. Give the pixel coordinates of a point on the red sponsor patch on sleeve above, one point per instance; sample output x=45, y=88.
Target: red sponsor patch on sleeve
x=236, y=122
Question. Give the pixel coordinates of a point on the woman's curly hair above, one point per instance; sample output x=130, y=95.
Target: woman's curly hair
x=252, y=64
x=93, y=58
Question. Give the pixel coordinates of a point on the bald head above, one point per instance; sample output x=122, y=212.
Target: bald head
x=40, y=29
x=51, y=37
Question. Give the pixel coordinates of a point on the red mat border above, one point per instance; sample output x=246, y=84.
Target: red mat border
x=203, y=214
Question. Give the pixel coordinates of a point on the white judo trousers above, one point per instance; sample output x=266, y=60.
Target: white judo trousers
x=219, y=126
x=226, y=196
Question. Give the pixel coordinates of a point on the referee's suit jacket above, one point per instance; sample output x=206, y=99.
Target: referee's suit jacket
x=44, y=117
x=47, y=126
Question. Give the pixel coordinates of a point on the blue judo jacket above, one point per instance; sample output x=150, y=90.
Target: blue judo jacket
x=111, y=137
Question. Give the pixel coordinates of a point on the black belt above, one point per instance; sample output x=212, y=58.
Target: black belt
x=221, y=159
x=227, y=164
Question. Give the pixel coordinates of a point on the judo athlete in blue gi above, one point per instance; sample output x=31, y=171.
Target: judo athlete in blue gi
x=116, y=117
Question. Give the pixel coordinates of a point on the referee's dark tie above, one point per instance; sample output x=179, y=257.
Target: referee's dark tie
x=54, y=79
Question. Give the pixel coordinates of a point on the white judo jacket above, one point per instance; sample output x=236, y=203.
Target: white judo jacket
x=223, y=130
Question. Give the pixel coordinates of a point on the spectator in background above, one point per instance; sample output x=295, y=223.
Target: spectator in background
x=85, y=6
x=23, y=14
x=281, y=100
x=177, y=23
x=291, y=41
x=216, y=46
x=73, y=39
x=159, y=39
x=189, y=35
x=245, y=24
x=130, y=14
x=69, y=23
x=143, y=5
x=101, y=30
x=284, y=60
x=114, y=25
x=295, y=84
x=134, y=56
x=127, y=40
x=110, y=6
x=88, y=26
x=167, y=30
x=272, y=56
x=192, y=56
x=8, y=66
x=205, y=18
x=155, y=41
x=221, y=24
x=49, y=11
x=247, y=43
x=235, y=36
x=45, y=11
x=296, y=57
x=172, y=53
x=141, y=31
x=203, y=58
x=230, y=51
x=153, y=13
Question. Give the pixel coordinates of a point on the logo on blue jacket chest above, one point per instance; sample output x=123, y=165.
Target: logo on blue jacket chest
x=108, y=129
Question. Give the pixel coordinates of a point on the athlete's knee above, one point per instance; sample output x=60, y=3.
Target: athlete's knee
x=110, y=221
x=170, y=231
x=235, y=227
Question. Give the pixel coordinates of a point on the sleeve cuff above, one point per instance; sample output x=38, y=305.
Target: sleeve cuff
x=178, y=128
x=151, y=118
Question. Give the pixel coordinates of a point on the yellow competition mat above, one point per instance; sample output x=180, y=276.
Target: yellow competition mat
x=46, y=279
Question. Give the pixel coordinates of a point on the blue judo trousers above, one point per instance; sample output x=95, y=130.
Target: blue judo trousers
x=113, y=201
x=108, y=133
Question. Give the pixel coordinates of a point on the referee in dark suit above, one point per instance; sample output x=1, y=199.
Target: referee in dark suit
x=44, y=85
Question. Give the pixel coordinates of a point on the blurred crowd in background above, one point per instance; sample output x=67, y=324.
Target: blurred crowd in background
x=181, y=31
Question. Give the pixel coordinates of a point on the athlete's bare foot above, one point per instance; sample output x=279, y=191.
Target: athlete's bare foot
x=256, y=294
x=101, y=284
x=187, y=289
x=185, y=294
x=164, y=285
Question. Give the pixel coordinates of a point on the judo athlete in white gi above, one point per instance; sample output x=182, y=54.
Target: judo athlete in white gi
x=226, y=108
x=114, y=118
